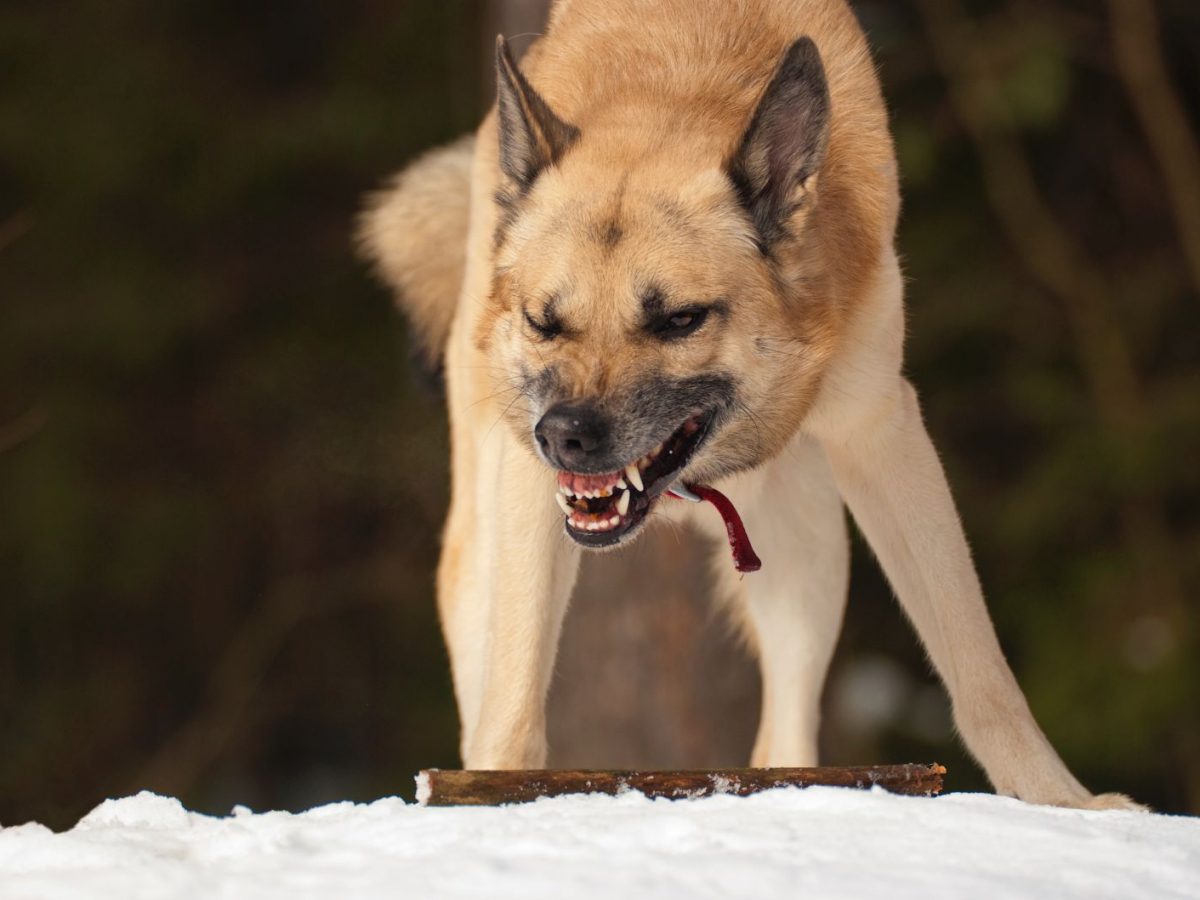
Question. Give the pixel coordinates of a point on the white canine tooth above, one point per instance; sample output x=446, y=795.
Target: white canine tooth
x=562, y=502
x=623, y=503
x=634, y=476
x=614, y=521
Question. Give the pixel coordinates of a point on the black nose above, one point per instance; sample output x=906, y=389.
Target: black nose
x=573, y=436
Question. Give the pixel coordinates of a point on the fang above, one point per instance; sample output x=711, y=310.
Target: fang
x=634, y=476
x=623, y=503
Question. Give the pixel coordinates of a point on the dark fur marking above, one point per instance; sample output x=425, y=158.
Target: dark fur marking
x=648, y=413
x=608, y=234
x=508, y=203
x=654, y=304
x=541, y=387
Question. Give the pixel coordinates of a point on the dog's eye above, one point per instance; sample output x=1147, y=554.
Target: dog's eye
x=680, y=324
x=548, y=329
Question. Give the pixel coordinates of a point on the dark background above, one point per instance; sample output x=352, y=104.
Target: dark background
x=221, y=488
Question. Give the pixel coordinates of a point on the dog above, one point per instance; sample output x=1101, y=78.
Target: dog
x=666, y=264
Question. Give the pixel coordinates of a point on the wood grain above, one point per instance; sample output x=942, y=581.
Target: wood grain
x=456, y=787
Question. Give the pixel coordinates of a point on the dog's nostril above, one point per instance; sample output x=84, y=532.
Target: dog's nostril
x=567, y=434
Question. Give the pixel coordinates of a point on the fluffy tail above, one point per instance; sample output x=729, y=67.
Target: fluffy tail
x=414, y=231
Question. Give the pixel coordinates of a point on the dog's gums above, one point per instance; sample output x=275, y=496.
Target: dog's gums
x=600, y=510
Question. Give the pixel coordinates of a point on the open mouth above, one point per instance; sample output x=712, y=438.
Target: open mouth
x=601, y=510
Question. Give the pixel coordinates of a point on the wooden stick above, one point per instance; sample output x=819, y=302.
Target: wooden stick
x=456, y=787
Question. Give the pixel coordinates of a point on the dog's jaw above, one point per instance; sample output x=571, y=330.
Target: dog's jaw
x=605, y=510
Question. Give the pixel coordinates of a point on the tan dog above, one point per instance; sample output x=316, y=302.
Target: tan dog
x=669, y=258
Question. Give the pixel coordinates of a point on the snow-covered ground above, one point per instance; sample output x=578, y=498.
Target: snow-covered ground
x=820, y=842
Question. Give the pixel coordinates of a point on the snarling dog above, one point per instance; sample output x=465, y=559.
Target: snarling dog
x=666, y=264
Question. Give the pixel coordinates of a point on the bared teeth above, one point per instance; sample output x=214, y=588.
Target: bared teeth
x=562, y=502
x=623, y=503
x=634, y=476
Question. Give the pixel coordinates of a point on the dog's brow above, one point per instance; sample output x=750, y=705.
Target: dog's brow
x=654, y=303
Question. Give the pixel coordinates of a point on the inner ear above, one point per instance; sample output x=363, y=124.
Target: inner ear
x=785, y=143
x=532, y=137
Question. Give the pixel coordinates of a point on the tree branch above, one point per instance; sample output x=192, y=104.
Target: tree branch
x=238, y=676
x=1063, y=269
x=1140, y=62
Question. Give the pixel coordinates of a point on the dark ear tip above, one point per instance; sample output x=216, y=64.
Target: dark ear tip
x=803, y=53
x=805, y=46
x=503, y=54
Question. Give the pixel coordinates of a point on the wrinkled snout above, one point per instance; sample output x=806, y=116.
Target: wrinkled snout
x=577, y=437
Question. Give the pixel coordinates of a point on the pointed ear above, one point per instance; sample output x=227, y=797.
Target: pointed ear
x=785, y=144
x=532, y=137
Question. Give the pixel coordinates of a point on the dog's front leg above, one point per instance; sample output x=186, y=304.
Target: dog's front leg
x=890, y=476
x=532, y=571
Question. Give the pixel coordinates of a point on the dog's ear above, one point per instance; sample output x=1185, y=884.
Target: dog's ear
x=532, y=137
x=783, y=148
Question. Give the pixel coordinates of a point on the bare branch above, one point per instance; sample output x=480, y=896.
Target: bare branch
x=1054, y=258
x=238, y=678
x=1140, y=62
x=1030, y=224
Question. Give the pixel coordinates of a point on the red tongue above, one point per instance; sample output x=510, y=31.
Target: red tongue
x=744, y=557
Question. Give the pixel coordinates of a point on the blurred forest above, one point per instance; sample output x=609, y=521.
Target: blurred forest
x=221, y=487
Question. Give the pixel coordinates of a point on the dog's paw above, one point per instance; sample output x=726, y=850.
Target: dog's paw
x=1112, y=801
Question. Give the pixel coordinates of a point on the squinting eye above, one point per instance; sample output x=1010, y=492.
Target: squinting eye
x=547, y=330
x=681, y=324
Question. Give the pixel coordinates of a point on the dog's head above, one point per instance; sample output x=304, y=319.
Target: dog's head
x=657, y=310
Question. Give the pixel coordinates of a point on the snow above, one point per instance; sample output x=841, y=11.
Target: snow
x=820, y=842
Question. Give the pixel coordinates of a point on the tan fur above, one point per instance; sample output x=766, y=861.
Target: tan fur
x=661, y=93
x=414, y=231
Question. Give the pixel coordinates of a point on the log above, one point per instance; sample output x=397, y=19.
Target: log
x=457, y=787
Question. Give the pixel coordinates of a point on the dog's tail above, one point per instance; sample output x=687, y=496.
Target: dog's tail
x=414, y=231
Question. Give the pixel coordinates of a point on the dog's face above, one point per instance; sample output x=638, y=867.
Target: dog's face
x=644, y=325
